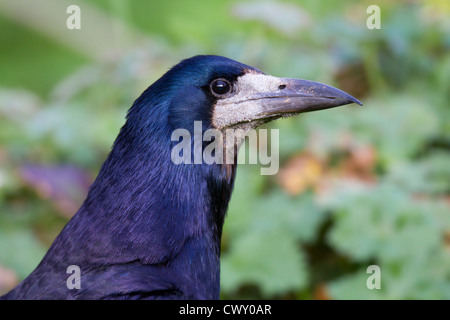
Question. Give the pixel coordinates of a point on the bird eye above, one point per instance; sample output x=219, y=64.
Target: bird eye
x=220, y=86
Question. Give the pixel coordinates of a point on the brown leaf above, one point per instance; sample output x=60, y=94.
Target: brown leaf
x=8, y=280
x=360, y=164
x=321, y=292
x=301, y=172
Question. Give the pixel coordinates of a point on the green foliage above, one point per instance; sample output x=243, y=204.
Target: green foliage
x=22, y=261
x=256, y=243
x=379, y=188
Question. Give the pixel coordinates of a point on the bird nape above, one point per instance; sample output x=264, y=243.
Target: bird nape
x=150, y=227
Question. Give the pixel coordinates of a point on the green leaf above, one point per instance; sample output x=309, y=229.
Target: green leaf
x=272, y=262
x=20, y=251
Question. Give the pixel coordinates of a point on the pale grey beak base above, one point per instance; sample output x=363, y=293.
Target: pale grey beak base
x=260, y=98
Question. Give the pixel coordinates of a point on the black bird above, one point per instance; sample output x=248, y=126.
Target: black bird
x=150, y=228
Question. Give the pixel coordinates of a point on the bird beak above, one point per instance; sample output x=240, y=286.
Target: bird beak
x=261, y=98
x=295, y=96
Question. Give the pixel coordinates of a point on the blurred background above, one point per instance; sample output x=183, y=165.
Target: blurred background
x=357, y=186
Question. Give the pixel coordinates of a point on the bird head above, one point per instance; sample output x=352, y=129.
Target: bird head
x=223, y=94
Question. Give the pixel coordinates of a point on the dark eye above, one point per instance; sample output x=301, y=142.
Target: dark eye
x=220, y=86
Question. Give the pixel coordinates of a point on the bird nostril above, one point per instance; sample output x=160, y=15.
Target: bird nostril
x=281, y=87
